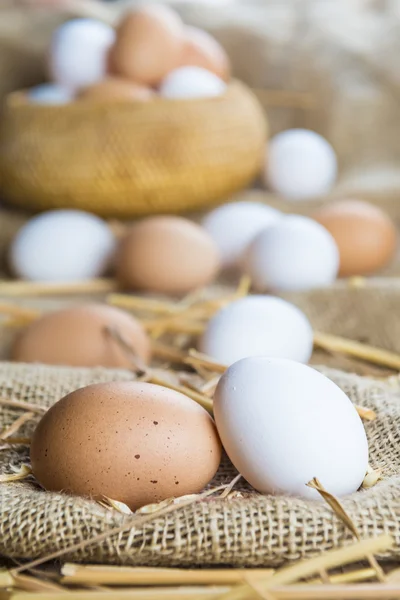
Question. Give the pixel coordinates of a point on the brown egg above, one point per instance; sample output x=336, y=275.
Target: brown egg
x=77, y=336
x=365, y=235
x=134, y=442
x=116, y=88
x=168, y=255
x=202, y=50
x=149, y=44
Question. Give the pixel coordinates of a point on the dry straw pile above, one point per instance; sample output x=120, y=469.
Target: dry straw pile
x=229, y=524
x=157, y=552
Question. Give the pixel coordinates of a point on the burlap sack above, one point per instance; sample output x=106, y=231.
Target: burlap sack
x=247, y=529
x=346, y=56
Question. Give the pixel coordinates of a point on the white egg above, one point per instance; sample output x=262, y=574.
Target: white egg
x=283, y=423
x=49, y=93
x=79, y=53
x=233, y=226
x=300, y=164
x=295, y=253
x=62, y=245
x=191, y=82
x=258, y=326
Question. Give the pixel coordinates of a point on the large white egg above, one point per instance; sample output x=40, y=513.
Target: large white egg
x=296, y=253
x=300, y=164
x=62, y=245
x=283, y=423
x=49, y=93
x=258, y=326
x=79, y=51
x=233, y=226
x=191, y=82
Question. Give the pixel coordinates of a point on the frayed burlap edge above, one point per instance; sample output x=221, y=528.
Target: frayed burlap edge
x=245, y=530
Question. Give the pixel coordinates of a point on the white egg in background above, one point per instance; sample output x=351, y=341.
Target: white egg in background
x=191, y=82
x=49, y=93
x=62, y=245
x=296, y=253
x=300, y=164
x=78, y=53
x=258, y=326
x=283, y=423
x=233, y=226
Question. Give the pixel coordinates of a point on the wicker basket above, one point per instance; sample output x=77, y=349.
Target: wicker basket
x=128, y=160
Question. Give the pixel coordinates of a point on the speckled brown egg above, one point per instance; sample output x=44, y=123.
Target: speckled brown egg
x=148, y=45
x=170, y=255
x=202, y=50
x=365, y=235
x=134, y=442
x=78, y=336
x=117, y=89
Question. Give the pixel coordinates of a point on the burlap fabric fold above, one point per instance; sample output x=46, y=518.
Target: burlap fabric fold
x=247, y=529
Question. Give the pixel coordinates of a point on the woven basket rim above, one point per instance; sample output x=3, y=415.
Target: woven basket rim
x=17, y=100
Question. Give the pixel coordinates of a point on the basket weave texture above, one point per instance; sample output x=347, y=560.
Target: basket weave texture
x=130, y=159
x=246, y=530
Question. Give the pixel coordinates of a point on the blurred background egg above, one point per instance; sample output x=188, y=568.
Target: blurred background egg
x=79, y=336
x=191, y=82
x=62, y=245
x=366, y=237
x=283, y=423
x=115, y=89
x=170, y=255
x=233, y=226
x=258, y=325
x=149, y=44
x=136, y=443
x=292, y=254
x=78, y=53
x=200, y=49
x=50, y=93
x=300, y=164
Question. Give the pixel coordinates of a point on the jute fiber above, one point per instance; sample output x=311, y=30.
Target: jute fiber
x=247, y=529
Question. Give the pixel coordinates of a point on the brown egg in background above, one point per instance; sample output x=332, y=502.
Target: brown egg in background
x=165, y=254
x=200, y=49
x=134, y=442
x=77, y=336
x=115, y=89
x=365, y=235
x=149, y=44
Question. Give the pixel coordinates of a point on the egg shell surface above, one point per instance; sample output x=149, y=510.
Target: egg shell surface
x=283, y=423
x=293, y=254
x=117, y=89
x=133, y=442
x=366, y=237
x=78, y=54
x=169, y=255
x=49, y=93
x=62, y=245
x=258, y=325
x=149, y=44
x=300, y=164
x=201, y=49
x=191, y=83
x=233, y=226
x=77, y=336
